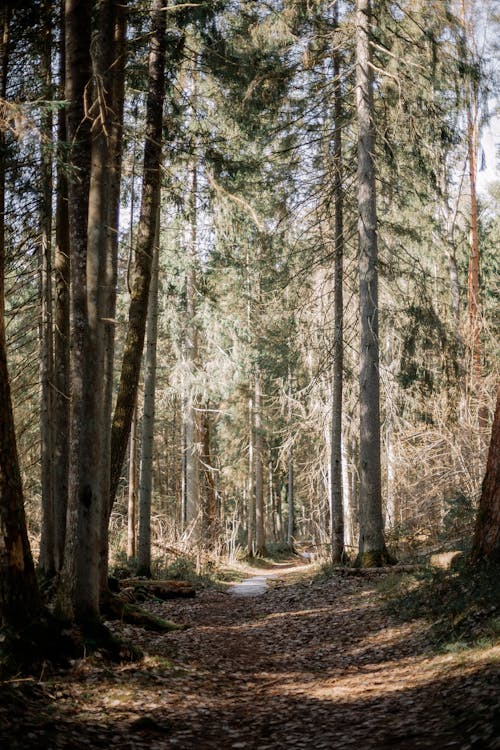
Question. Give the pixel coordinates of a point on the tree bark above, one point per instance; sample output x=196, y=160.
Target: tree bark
x=486, y=542
x=87, y=54
x=61, y=332
x=372, y=550
x=19, y=595
x=260, y=532
x=46, y=561
x=192, y=426
x=134, y=343
x=337, y=512
x=148, y=418
x=116, y=78
x=132, y=488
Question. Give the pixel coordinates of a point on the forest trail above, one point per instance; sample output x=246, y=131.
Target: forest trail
x=308, y=664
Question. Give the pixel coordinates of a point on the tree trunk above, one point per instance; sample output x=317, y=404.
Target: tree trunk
x=486, y=542
x=141, y=276
x=337, y=512
x=260, y=533
x=210, y=521
x=148, y=418
x=132, y=487
x=61, y=334
x=251, y=481
x=192, y=427
x=372, y=550
x=88, y=214
x=46, y=561
x=290, y=500
x=19, y=596
x=117, y=90
x=77, y=595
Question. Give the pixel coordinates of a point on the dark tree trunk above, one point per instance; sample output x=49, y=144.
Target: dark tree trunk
x=134, y=343
x=486, y=543
x=61, y=334
x=19, y=596
x=46, y=561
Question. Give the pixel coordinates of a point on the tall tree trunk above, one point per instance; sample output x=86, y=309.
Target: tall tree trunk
x=486, y=542
x=260, y=532
x=210, y=521
x=132, y=487
x=337, y=512
x=61, y=332
x=251, y=480
x=372, y=550
x=290, y=500
x=4, y=66
x=192, y=427
x=19, y=596
x=46, y=561
x=76, y=596
x=141, y=277
x=148, y=418
x=473, y=314
x=88, y=213
x=116, y=77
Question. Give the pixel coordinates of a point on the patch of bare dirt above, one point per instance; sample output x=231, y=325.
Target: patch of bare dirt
x=305, y=665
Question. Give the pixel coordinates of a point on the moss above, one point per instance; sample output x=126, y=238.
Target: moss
x=114, y=608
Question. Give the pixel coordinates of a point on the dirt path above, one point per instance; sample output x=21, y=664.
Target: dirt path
x=307, y=665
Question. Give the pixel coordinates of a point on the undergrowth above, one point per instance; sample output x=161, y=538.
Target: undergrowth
x=462, y=606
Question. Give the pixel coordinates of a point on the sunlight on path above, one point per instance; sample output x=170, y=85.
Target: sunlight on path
x=257, y=585
x=251, y=586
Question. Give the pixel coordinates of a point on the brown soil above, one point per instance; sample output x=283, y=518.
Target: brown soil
x=306, y=665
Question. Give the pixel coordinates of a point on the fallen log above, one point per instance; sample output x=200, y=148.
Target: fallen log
x=168, y=589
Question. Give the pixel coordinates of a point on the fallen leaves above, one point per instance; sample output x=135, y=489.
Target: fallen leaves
x=303, y=666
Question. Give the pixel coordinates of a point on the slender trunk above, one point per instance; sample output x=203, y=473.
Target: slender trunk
x=46, y=350
x=210, y=519
x=191, y=352
x=251, y=483
x=260, y=534
x=337, y=513
x=134, y=343
x=61, y=334
x=4, y=64
x=346, y=495
x=486, y=542
x=117, y=95
x=473, y=313
x=148, y=417
x=132, y=487
x=290, y=500
x=372, y=549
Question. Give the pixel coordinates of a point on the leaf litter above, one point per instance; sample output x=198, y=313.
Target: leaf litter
x=309, y=664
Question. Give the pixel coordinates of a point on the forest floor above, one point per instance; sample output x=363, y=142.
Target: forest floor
x=310, y=663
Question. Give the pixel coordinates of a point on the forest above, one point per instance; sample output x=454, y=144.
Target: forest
x=248, y=324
